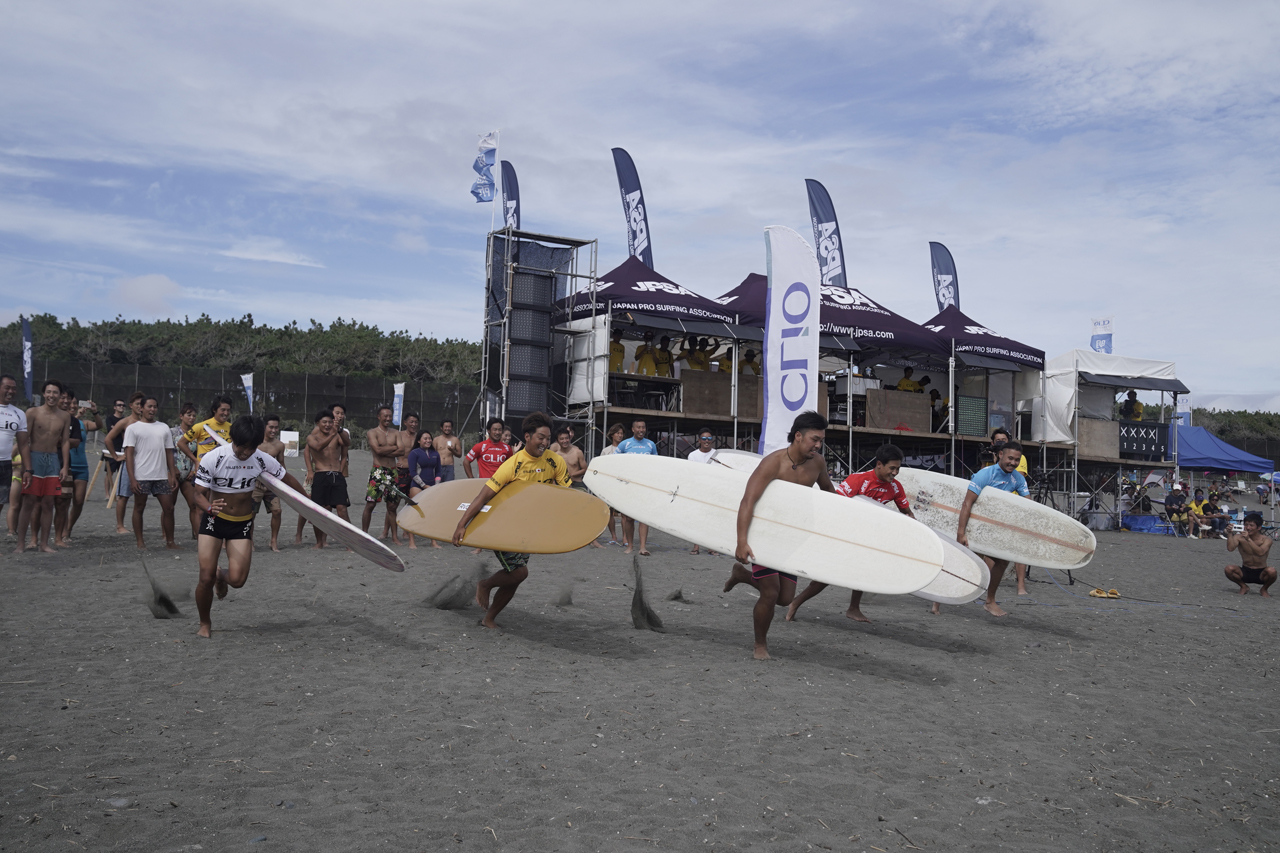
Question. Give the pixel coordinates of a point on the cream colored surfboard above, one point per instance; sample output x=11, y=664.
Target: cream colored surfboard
x=802, y=531
x=1001, y=525
x=529, y=518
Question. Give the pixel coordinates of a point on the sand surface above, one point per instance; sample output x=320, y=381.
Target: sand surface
x=337, y=708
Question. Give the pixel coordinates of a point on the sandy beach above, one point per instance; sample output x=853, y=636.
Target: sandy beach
x=338, y=708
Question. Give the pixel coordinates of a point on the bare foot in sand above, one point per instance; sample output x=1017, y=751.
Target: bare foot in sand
x=695, y=550
x=61, y=543
x=761, y=653
x=629, y=549
x=855, y=614
x=174, y=546
x=122, y=530
x=595, y=544
x=205, y=630
x=486, y=622
x=474, y=551
x=435, y=544
x=220, y=585
x=275, y=546
x=936, y=608
x=1244, y=590
x=994, y=609
x=737, y=576
x=1263, y=592
x=1023, y=591
x=791, y=610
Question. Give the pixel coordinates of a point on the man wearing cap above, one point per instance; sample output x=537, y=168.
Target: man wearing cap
x=1175, y=508
x=749, y=363
x=647, y=357
x=1131, y=409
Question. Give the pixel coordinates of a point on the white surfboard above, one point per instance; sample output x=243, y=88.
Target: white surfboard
x=964, y=576
x=1001, y=525
x=347, y=534
x=806, y=532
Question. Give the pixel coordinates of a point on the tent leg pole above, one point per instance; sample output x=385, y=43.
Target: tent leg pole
x=951, y=395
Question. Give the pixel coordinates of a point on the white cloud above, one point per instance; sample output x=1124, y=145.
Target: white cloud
x=149, y=295
x=269, y=249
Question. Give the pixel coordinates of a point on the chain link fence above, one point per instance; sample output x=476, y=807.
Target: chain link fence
x=295, y=397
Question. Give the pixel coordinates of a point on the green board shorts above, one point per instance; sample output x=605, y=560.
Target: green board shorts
x=511, y=560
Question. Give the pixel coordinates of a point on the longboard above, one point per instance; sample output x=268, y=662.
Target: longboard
x=349, y=535
x=964, y=576
x=1001, y=525
x=530, y=518
x=805, y=532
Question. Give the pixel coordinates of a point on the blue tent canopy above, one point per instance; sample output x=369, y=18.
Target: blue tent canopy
x=1198, y=448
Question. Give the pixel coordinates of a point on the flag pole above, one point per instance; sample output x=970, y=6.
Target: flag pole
x=493, y=207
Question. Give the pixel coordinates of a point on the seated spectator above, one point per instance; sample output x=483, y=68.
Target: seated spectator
x=1175, y=509
x=1264, y=493
x=1195, y=511
x=1217, y=520
x=1131, y=410
x=906, y=383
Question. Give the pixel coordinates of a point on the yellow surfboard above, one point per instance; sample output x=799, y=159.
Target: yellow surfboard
x=529, y=518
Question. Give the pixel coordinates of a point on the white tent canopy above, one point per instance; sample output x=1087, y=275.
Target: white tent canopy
x=1090, y=380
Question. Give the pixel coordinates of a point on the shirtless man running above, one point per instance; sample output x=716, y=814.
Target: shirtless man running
x=449, y=446
x=799, y=462
x=575, y=460
x=384, y=443
x=225, y=480
x=1254, y=547
x=327, y=446
x=49, y=429
x=273, y=447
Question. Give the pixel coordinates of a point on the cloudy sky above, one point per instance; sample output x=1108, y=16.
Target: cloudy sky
x=312, y=160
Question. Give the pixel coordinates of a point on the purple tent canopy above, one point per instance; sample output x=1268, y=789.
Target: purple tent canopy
x=978, y=340
x=845, y=314
x=633, y=287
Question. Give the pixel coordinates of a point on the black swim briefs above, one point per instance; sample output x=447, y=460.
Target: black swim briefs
x=1249, y=575
x=221, y=528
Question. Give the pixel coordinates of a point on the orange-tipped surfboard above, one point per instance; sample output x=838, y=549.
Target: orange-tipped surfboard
x=530, y=518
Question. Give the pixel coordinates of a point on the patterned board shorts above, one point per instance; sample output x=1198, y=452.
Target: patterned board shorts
x=511, y=560
x=382, y=486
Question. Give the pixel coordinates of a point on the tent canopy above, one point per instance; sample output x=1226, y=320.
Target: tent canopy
x=1199, y=448
x=1141, y=383
x=633, y=287
x=970, y=337
x=848, y=318
x=1065, y=376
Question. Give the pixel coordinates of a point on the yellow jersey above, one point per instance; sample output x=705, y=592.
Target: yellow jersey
x=662, y=359
x=646, y=361
x=698, y=360
x=548, y=468
x=905, y=384
x=617, y=352
x=202, y=435
x=1022, y=465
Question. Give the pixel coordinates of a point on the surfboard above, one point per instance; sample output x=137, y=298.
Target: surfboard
x=1001, y=525
x=529, y=518
x=964, y=576
x=347, y=534
x=806, y=532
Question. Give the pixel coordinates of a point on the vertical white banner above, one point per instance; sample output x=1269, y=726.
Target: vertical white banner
x=1101, y=339
x=247, y=379
x=790, y=334
x=397, y=405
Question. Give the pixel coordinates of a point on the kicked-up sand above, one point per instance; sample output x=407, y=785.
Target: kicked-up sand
x=338, y=707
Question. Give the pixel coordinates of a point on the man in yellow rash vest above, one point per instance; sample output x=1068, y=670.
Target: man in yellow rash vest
x=225, y=479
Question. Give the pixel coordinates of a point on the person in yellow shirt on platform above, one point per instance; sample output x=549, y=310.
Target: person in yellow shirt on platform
x=647, y=357
x=533, y=463
x=617, y=352
x=750, y=363
x=695, y=354
x=663, y=357
x=1131, y=409
x=906, y=383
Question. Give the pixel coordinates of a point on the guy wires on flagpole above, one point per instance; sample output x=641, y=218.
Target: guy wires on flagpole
x=790, y=334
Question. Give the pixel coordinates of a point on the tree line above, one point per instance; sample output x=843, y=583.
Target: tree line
x=344, y=348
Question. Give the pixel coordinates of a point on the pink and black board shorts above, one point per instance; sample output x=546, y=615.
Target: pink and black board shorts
x=761, y=572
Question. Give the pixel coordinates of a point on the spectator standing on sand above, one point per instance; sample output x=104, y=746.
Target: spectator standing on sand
x=182, y=462
x=148, y=456
x=13, y=439
x=262, y=496
x=1254, y=547
x=616, y=433
x=71, y=502
x=449, y=446
x=49, y=429
x=637, y=444
x=110, y=441
x=424, y=472
x=327, y=446
x=119, y=412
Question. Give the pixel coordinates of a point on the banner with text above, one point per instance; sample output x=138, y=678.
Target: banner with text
x=510, y=196
x=247, y=379
x=397, y=404
x=1101, y=339
x=27, y=357
x=792, y=315
x=633, y=207
x=483, y=188
x=826, y=235
x=946, y=285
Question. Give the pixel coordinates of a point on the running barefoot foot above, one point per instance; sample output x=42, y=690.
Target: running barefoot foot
x=482, y=595
x=737, y=576
x=474, y=551
x=220, y=585
x=486, y=622
x=791, y=610
x=761, y=653
x=855, y=614
x=994, y=609
x=205, y=630
x=174, y=546
x=936, y=608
